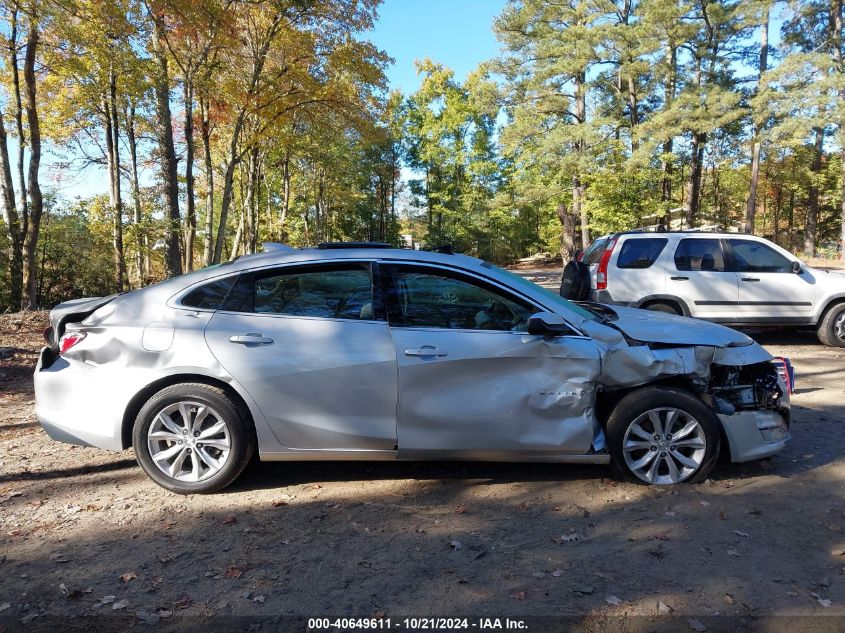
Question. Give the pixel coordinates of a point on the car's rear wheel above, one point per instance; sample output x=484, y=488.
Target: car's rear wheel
x=192, y=438
x=832, y=327
x=661, y=435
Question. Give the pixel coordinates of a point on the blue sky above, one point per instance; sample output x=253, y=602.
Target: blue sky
x=457, y=33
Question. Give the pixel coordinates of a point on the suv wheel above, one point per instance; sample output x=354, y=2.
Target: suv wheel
x=832, y=328
x=661, y=435
x=192, y=438
x=660, y=306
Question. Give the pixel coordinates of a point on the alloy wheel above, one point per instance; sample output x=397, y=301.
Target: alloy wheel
x=189, y=441
x=839, y=326
x=664, y=446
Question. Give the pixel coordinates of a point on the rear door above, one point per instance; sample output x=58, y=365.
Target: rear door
x=768, y=289
x=472, y=382
x=311, y=345
x=698, y=274
x=633, y=271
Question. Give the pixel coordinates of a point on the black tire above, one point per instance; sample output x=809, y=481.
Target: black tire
x=831, y=330
x=240, y=436
x=575, y=284
x=659, y=306
x=641, y=402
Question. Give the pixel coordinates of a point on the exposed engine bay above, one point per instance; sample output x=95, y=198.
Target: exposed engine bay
x=744, y=388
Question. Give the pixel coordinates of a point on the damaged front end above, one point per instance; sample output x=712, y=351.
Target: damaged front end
x=732, y=374
x=753, y=404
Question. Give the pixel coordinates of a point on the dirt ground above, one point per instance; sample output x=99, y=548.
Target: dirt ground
x=84, y=533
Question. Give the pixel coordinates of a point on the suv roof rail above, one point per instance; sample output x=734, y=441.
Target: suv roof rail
x=330, y=245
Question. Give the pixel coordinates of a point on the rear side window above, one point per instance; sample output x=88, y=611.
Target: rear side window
x=336, y=292
x=209, y=296
x=754, y=257
x=593, y=253
x=640, y=252
x=701, y=255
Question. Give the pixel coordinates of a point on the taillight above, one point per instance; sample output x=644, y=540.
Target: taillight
x=69, y=340
x=601, y=274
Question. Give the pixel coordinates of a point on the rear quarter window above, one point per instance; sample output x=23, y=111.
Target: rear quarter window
x=593, y=253
x=209, y=296
x=640, y=252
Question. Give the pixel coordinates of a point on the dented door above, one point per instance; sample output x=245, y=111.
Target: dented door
x=474, y=384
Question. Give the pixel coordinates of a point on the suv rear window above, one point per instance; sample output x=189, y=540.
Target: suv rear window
x=703, y=255
x=593, y=253
x=640, y=252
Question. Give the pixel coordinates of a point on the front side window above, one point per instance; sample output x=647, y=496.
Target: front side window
x=327, y=292
x=640, y=252
x=439, y=299
x=754, y=257
x=700, y=255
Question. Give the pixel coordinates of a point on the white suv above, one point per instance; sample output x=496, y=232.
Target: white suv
x=730, y=278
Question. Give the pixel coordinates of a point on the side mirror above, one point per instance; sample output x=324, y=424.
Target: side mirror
x=796, y=267
x=548, y=324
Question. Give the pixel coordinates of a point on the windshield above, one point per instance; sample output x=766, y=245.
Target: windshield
x=552, y=297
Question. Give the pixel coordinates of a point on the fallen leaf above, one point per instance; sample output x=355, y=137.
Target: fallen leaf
x=104, y=600
x=733, y=552
x=130, y=575
x=460, y=510
x=567, y=538
x=5, y=606
x=229, y=520
x=164, y=613
x=259, y=599
x=557, y=573
x=612, y=600
x=705, y=504
x=696, y=625
x=234, y=572
x=280, y=503
x=183, y=602
x=519, y=595
x=729, y=599
x=741, y=533
x=29, y=618
x=662, y=607
x=584, y=590
x=117, y=606
x=456, y=544
x=722, y=515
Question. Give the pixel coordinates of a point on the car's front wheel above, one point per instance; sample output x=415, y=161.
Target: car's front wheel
x=192, y=438
x=662, y=435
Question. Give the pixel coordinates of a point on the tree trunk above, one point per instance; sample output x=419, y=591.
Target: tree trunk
x=36, y=202
x=190, y=207
x=113, y=159
x=209, y=181
x=751, y=207
x=813, y=197
x=694, y=186
x=167, y=156
x=579, y=209
x=285, y=196
x=140, y=237
x=11, y=221
x=23, y=206
x=567, y=232
x=836, y=24
x=669, y=98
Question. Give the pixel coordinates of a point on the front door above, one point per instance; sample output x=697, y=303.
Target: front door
x=313, y=349
x=472, y=382
x=769, y=291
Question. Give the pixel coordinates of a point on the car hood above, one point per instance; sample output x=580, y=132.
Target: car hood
x=649, y=326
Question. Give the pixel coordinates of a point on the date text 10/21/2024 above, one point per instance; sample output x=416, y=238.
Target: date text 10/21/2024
x=416, y=624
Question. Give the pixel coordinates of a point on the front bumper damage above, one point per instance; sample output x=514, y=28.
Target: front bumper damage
x=740, y=383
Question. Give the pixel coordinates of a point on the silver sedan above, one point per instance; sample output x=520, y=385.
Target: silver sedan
x=362, y=352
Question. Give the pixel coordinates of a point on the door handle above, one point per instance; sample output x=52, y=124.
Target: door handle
x=251, y=339
x=750, y=279
x=679, y=278
x=425, y=350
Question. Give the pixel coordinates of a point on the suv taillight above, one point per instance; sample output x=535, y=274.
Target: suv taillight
x=601, y=273
x=69, y=340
